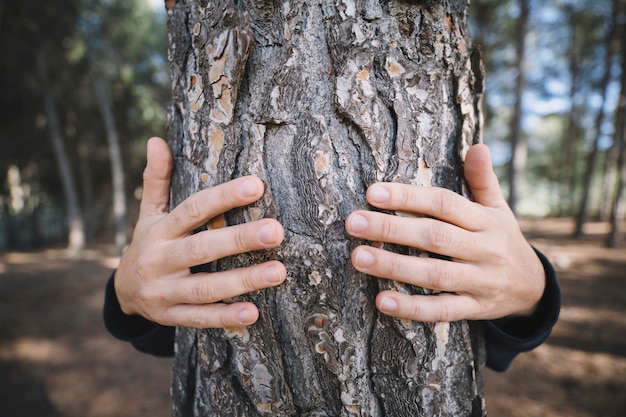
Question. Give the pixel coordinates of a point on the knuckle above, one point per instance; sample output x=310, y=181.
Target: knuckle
x=445, y=203
x=407, y=197
x=197, y=250
x=394, y=267
x=226, y=195
x=191, y=210
x=440, y=277
x=240, y=240
x=416, y=312
x=203, y=292
x=248, y=280
x=389, y=229
x=195, y=318
x=439, y=237
x=445, y=313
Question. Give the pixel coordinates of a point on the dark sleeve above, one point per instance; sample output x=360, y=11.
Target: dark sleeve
x=506, y=338
x=144, y=335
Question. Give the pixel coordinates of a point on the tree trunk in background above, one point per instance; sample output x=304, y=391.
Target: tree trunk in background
x=519, y=148
x=86, y=184
x=618, y=212
x=592, y=158
x=76, y=237
x=572, y=138
x=321, y=99
x=117, y=168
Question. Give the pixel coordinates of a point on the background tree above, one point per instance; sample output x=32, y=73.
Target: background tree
x=321, y=100
x=592, y=158
x=519, y=152
x=134, y=67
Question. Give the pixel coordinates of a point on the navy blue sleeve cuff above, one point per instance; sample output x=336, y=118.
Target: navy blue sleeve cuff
x=506, y=338
x=145, y=336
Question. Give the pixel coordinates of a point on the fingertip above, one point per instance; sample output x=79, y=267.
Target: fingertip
x=275, y=273
x=362, y=258
x=387, y=304
x=250, y=187
x=248, y=314
x=159, y=158
x=478, y=158
x=377, y=193
x=356, y=223
x=271, y=233
x=481, y=177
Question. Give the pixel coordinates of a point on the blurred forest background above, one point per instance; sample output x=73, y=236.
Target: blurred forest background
x=84, y=83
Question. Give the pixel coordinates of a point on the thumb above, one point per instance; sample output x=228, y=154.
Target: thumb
x=482, y=181
x=156, y=178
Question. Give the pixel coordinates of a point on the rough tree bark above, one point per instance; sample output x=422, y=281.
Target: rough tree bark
x=320, y=99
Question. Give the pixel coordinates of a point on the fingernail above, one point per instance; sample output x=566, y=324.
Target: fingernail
x=378, y=194
x=364, y=258
x=388, y=305
x=272, y=276
x=267, y=234
x=357, y=223
x=245, y=317
x=249, y=188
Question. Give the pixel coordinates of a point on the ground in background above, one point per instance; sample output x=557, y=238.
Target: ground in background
x=56, y=359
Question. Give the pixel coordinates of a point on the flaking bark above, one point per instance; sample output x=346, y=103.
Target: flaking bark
x=320, y=99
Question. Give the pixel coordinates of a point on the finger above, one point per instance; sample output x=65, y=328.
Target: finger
x=443, y=307
x=156, y=177
x=436, y=202
x=422, y=233
x=482, y=180
x=206, y=288
x=211, y=316
x=430, y=273
x=197, y=209
x=210, y=245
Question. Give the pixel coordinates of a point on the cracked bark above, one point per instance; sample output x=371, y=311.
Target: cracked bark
x=321, y=99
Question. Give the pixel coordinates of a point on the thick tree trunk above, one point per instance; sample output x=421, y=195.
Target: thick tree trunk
x=321, y=99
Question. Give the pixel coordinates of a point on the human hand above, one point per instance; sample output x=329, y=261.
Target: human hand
x=493, y=272
x=153, y=278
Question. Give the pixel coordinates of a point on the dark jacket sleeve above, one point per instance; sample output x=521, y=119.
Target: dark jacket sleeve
x=144, y=335
x=506, y=338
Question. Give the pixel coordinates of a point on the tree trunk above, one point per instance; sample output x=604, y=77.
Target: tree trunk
x=519, y=148
x=117, y=168
x=571, y=140
x=592, y=157
x=618, y=212
x=321, y=99
x=76, y=235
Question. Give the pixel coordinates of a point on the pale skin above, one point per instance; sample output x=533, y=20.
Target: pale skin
x=493, y=272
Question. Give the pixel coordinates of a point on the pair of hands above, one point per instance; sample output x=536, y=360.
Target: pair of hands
x=493, y=271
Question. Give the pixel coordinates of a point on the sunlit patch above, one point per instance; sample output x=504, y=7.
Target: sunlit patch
x=34, y=350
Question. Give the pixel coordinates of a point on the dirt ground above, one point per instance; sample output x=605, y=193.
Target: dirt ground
x=56, y=359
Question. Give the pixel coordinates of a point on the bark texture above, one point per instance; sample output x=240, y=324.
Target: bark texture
x=320, y=99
